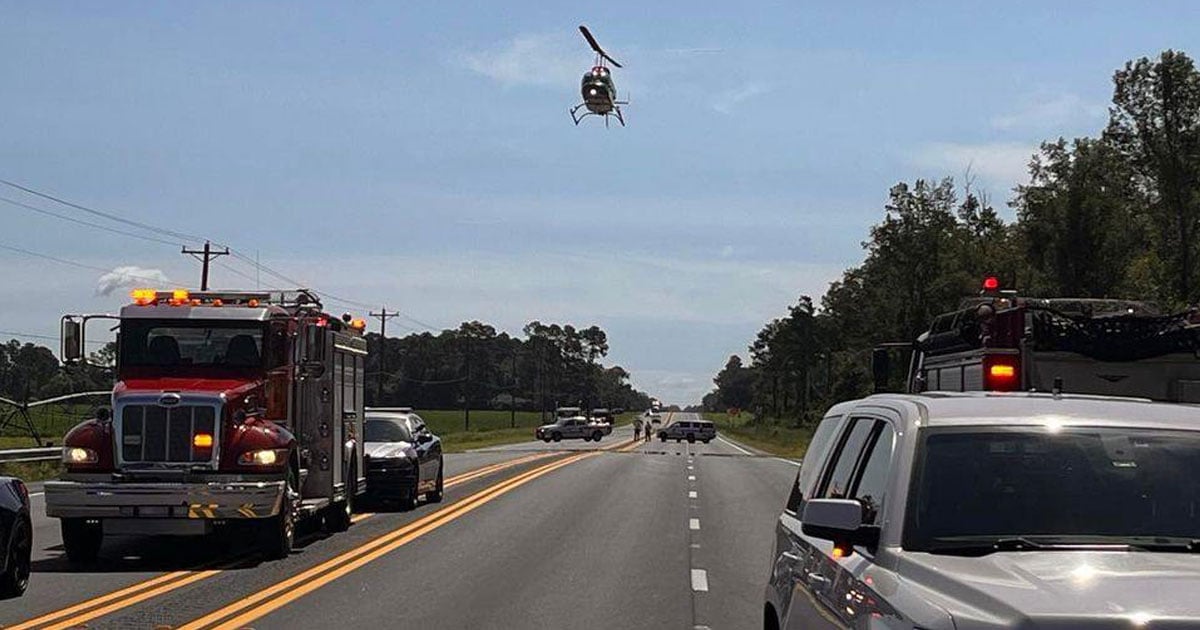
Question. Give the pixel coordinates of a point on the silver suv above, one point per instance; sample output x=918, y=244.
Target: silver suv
x=690, y=430
x=964, y=511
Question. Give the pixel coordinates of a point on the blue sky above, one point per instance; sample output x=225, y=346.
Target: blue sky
x=420, y=156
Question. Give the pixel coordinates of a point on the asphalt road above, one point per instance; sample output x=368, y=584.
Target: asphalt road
x=619, y=534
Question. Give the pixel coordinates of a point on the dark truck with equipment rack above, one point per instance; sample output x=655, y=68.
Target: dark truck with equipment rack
x=999, y=341
x=230, y=408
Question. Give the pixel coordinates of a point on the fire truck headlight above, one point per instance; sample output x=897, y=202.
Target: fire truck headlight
x=79, y=455
x=265, y=457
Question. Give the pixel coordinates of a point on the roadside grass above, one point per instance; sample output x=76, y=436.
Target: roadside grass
x=771, y=436
x=32, y=471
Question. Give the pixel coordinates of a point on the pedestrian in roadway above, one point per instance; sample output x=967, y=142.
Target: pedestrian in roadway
x=637, y=427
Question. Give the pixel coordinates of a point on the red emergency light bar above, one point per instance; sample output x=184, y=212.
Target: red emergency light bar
x=991, y=283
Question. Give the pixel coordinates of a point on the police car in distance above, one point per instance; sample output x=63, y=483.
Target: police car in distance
x=957, y=511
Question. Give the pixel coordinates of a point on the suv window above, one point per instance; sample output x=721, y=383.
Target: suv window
x=871, y=489
x=814, y=458
x=837, y=485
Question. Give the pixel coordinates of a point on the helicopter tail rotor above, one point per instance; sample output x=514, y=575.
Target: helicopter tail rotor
x=596, y=46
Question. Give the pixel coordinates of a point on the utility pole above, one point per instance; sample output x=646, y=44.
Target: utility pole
x=383, y=315
x=206, y=255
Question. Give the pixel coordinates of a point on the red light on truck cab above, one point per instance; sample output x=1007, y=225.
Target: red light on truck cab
x=991, y=283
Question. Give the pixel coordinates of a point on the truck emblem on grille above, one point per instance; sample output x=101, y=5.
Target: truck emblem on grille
x=1113, y=378
x=168, y=399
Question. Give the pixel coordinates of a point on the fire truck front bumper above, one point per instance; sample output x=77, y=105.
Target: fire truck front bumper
x=195, y=501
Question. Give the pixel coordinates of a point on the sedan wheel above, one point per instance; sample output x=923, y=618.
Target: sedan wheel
x=439, y=490
x=15, y=580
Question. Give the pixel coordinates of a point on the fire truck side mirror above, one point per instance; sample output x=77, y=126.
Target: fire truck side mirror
x=72, y=340
x=880, y=368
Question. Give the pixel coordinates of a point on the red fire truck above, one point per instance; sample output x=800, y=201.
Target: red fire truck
x=1000, y=341
x=231, y=409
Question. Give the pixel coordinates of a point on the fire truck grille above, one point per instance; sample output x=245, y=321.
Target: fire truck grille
x=151, y=433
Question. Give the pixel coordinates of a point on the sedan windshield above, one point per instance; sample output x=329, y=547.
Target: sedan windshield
x=382, y=430
x=1083, y=485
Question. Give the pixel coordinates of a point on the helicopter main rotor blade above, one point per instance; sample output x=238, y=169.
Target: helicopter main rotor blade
x=595, y=46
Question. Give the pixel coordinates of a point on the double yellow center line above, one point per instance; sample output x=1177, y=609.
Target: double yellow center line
x=244, y=611
x=109, y=603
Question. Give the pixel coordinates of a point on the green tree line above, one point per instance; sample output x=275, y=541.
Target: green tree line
x=474, y=366
x=1116, y=215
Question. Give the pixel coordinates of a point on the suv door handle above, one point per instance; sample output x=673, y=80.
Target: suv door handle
x=790, y=557
x=817, y=578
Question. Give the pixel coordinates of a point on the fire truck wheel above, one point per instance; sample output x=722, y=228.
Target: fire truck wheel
x=81, y=539
x=337, y=519
x=278, y=533
x=435, y=496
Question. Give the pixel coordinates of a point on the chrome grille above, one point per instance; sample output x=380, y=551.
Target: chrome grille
x=153, y=433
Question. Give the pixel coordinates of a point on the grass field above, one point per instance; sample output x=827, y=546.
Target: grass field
x=768, y=436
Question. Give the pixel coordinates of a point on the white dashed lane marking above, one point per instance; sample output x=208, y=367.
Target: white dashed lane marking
x=694, y=524
x=699, y=580
x=691, y=477
x=691, y=494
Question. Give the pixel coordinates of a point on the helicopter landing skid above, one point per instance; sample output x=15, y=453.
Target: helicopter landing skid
x=615, y=112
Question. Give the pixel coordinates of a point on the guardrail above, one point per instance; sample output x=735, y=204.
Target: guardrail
x=46, y=454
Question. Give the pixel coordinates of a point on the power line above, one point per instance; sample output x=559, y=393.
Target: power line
x=25, y=335
x=74, y=263
x=193, y=237
x=87, y=223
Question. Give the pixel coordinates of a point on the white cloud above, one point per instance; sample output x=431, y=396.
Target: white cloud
x=725, y=102
x=542, y=60
x=727, y=251
x=998, y=165
x=1053, y=112
x=128, y=276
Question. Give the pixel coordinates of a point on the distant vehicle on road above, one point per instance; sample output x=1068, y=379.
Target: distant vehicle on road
x=602, y=415
x=16, y=537
x=577, y=427
x=652, y=417
x=403, y=458
x=977, y=510
x=690, y=430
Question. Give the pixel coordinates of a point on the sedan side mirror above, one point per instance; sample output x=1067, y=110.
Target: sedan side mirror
x=838, y=520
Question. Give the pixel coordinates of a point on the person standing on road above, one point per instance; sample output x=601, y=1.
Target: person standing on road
x=649, y=426
x=637, y=427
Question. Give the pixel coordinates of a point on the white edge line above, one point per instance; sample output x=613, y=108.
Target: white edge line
x=699, y=580
x=787, y=461
x=744, y=451
x=36, y=494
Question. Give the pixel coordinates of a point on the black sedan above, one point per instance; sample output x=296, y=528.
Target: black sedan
x=16, y=537
x=403, y=458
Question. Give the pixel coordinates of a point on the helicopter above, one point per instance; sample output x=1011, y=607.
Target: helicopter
x=599, y=92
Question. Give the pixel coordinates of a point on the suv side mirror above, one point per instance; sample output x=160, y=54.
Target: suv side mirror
x=424, y=438
x=838, y=520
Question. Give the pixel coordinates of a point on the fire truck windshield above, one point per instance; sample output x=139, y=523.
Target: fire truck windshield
x=150, y=343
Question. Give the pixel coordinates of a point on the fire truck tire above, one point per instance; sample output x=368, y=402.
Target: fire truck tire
x=337, y=519
x=435, y=496
x=81, y=539
x=278, y=533
x=557, y=437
